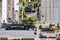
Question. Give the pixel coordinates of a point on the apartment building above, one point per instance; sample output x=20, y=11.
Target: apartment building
x=16, y=10
x=10, y=11
x=50, y=11
x=17, y=35
x=4, y=11
x=0, y=10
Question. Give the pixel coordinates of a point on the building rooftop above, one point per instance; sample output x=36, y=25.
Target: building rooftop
x=17, y=33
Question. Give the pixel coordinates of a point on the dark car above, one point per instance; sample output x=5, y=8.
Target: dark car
x=28, y=9
x=47, y=29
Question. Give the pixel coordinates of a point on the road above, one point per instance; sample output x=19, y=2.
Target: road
x=38, y=32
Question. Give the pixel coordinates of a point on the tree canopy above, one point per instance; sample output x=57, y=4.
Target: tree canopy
x=0, y=0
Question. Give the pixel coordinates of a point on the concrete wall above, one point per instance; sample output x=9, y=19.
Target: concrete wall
x=51, y=11
x=16, y=10
x=4, y=11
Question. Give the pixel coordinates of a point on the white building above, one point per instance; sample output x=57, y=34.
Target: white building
x=4, y=11
x=50, y=11
x=17, y=34
x=16, y=10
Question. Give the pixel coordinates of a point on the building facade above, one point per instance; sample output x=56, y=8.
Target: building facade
x=16, y=10
x=4, y=11
x=17, y=35
x=10, y=11
x=50, y=11
x=0, y=10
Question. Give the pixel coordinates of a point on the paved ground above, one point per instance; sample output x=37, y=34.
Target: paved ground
x=38, y=32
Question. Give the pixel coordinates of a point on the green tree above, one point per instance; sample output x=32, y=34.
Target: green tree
x=0, y=0
x=40, y=27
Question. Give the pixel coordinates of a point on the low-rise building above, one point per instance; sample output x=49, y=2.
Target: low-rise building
x=17, y=34
x=50, y=11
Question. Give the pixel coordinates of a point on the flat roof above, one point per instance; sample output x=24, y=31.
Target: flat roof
x=17, y=33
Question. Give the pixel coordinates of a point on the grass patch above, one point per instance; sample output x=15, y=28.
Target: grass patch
x=13, y=26
x=46, y=27
x=33, y=19
x=26, y=18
